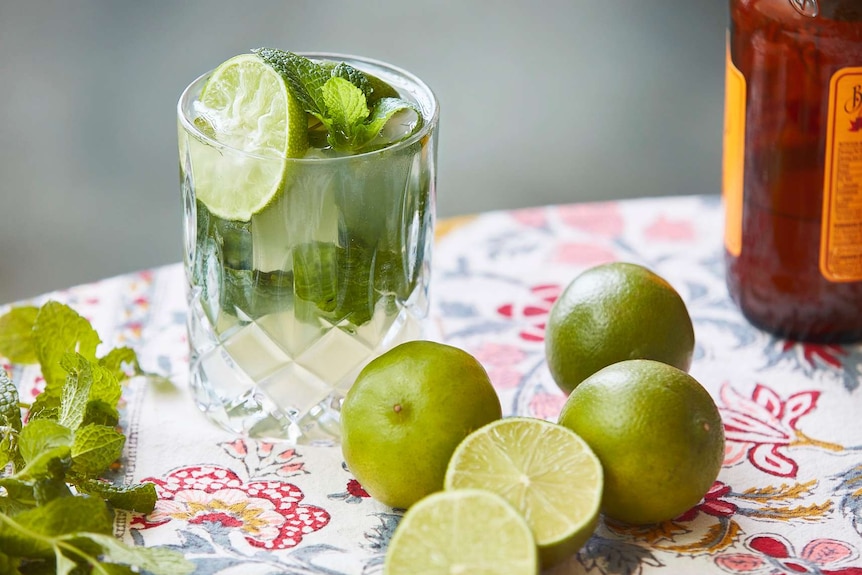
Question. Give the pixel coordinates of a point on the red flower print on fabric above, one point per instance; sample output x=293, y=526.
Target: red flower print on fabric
x=533, y=315
x=599, y=219
x=356, y=490
x=547, y=405
x=712, y=504
x=583, y=254
x=501, y=361
x=815, y=353
x=772, y=553
x=531, y=217
x=764, y=427
x=267, y=513
x=264, y=458
x=667, y=229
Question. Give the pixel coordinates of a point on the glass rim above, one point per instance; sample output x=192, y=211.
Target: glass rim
x=429, y=123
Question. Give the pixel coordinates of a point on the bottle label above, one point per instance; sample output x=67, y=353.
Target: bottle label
x=841, y=236
x=733, y=160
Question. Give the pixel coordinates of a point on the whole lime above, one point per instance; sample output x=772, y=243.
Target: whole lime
x=407, y=412
x=614, y=312
x=657, y=432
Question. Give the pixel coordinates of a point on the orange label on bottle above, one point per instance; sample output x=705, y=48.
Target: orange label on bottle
x=733, y=160
x=841, y=236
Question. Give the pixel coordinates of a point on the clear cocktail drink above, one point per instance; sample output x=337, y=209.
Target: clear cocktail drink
x=291, y=299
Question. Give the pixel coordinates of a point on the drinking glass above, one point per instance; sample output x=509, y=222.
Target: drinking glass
x=287, y=307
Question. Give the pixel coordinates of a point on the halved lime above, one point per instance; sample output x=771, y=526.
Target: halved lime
x=246, y=106
x=462, y=531
x=544, y=470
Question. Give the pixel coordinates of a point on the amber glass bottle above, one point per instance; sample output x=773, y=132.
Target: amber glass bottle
x=793, y=166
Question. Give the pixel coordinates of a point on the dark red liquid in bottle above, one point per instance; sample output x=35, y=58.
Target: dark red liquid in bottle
x=788, y=51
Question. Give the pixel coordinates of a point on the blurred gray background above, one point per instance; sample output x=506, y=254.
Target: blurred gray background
x=542, y=102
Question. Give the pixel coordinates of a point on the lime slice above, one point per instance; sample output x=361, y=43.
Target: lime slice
x=246, y=106
x=544, y=470
x=462, y=531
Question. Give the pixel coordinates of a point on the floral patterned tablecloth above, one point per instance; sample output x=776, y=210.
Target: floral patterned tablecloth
x=788, y=499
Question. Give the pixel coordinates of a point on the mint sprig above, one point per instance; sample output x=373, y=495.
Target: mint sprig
x=74, y=535
x=342, y=98
x=56, y=513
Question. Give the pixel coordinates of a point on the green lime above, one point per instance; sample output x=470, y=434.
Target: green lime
x=406, y=412
x=466, y=531
x=657, y=433
x=615, y=312
x=544, y=470
x=245, y=105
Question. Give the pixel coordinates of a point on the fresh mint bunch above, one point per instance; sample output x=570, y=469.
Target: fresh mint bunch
x=352, y=106
x=56, y=514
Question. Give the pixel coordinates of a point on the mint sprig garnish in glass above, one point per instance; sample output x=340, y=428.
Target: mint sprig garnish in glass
x=308, y=184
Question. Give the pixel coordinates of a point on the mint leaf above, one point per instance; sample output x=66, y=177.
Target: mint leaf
x=16, y=539
x=16, y=334
x=76, y=392
x=119, y=357
x=304, y=77
x=105, y=388
x=140, y=498
x=373, y=87
x=381, y=113
x=63, y=565
x=338, y=95
x=10, y=422
x=95, y=448
x=347, y=108
x=115, y=569
x=316, y=274
x=70, y=515
x=86, y=384
x=101, y=413
x=19, y=496
x=346, y=103
x=9, y=565
x=45, y=448
x=51, y=487
x=32, y=533
x=354, y=76
x=69, y=437
x=42, y=435
x=24, y=494
x=10, y=413
x=258, y=292
x=156, y=561
x=75, y=532
x=51, y=463
x=59, y=330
